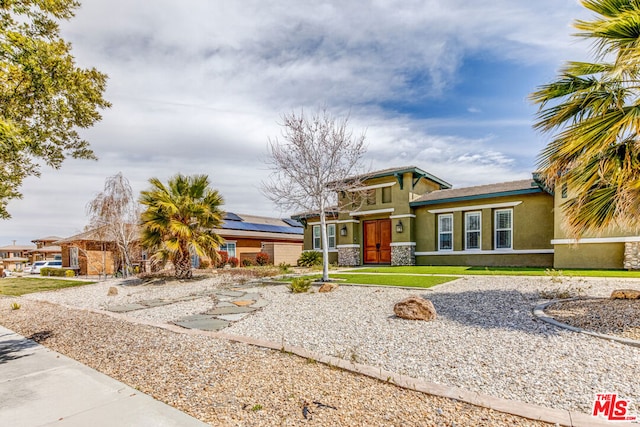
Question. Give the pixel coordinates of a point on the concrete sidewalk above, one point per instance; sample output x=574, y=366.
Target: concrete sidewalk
x=39, y=387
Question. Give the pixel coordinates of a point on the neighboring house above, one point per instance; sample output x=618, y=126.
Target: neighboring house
x=45, y=249
x=94, y=252
x=15, y=257
x=406, y=216
x=247, y=235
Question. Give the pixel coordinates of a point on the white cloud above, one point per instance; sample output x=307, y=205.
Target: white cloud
x=198, y=87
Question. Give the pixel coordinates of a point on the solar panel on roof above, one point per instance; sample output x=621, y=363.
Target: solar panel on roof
x=292, y=222
x=232, y=217
x=250, y=226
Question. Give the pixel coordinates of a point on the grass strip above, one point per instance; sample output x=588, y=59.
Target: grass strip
x=387, y=279
x=497, y=271
x=22, y=285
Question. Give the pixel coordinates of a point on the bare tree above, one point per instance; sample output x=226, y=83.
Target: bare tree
x=115, y=213
x=309, y=164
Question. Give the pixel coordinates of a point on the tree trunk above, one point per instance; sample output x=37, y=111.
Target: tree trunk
x=183, y=266
x=325, y=245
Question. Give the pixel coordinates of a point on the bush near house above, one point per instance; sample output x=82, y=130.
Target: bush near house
x=262, y=258
x=57, y=272
x=233, y=261
x=247, y=262
x=310, y=259
x=223, y=259
x=204, y=264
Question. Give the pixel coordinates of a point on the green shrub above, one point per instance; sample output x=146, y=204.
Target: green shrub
x=247, y=262
x=284, y=268
x=69, y=273
x=310, y=258
x=15, y=306
x=56, y=272
x=262, y=258
x=300, y=285
x=204, y=264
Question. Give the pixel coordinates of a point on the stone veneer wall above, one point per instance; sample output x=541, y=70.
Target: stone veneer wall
x=403, y=255
x=349, y=257
x=632, y=255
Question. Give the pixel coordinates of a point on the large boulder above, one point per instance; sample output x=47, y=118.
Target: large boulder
x=415, y=308
x=625, y=294
x=328, y=287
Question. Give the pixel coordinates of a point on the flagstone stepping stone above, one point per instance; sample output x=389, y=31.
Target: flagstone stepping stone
x=210, y=324
x=230, y=310
x=125, y=308
x=254, y=296
x=156, y=303
x=230, y=293
x=232, y=317
x=225, y=304
x=260, y=303
x=242, y=303
x=195, y=317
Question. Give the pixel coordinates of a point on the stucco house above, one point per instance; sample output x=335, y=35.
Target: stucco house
x=406, y=216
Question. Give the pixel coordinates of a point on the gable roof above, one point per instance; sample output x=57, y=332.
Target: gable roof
x=399, y=171
x=511, y=188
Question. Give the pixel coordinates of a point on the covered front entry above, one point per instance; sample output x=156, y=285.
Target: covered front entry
x=377, y=241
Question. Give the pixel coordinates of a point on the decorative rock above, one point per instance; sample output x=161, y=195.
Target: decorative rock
x=112, y=291
x=625, y=294
x=328, y=287
x=415, y=308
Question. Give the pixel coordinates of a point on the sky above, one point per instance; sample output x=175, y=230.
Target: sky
x=199, y=87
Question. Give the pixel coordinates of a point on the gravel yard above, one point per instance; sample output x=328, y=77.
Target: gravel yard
x=484, y=339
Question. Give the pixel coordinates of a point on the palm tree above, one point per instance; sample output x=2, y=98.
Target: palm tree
x=179, y=221
x=592, y=111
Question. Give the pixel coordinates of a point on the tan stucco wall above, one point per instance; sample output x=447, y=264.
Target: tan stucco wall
x=587, y=255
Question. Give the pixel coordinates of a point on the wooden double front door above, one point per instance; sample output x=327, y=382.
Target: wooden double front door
x=377, y=241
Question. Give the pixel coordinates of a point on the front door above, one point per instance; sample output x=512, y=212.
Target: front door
x=377, y=241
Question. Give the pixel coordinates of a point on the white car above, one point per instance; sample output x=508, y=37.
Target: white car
x=38, y=265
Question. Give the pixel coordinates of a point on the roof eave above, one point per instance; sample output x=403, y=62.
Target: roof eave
x=477, y=197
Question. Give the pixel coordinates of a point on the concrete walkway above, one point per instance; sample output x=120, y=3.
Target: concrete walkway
x=39, y=387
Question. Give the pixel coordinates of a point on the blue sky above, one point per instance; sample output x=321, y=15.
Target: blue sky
x=199, y=87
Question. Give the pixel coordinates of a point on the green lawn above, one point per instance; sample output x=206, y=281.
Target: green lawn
x=495, y=271
x=389, y=279
x=22, y=285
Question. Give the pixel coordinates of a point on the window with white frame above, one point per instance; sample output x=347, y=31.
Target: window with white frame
x=504, y=229
x=229, y=248
x=472, y=228
x=317, y=239
x=331, y=237
x=445, y=232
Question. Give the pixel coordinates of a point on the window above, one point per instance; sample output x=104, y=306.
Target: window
x=370, y=196
x=317, y=240
x=229, y=248
x=445, y=232
x=504, y=229
x=472, y=227
x=386, y=194
x=73, y=257
x=331, y=236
